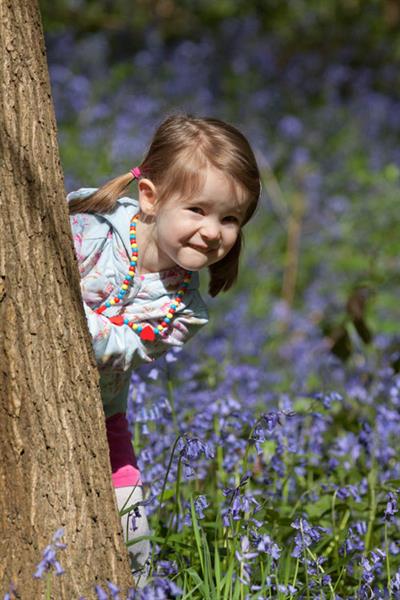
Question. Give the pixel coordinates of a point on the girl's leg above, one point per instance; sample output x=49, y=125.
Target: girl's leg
x=134, y=525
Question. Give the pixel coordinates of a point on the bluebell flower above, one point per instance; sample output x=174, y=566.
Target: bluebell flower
x=394, y=548
x=238, y=503
x=326, y=579
x=160, y=589
x=286, y=589
x=114, y=590
x=327, y=398
x=391, y=506
x=245, y=556
x=246, y=553
x=314, y=566
x=172, y=355
x=100, y=593
x=291, y=126
x=154, y=374
x=191, y=449
x=265, y=544
x=200, y=504
x=49, y=558
x=167, y=567
x=307, y=535
x=395, y=583
x=371, y=566
x=266, y=424
x=11, y=593
x=365, y=437
x=349, y=491
x=187, y=517
x=355, y=540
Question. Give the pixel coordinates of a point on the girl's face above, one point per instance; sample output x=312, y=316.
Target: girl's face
x=198, y=232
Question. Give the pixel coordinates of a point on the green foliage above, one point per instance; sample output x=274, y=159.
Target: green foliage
x=211, y=553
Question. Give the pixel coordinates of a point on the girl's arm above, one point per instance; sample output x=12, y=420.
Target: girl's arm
x=120, y=348
x=115, y=347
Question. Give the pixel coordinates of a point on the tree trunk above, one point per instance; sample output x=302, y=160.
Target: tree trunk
x=54, y=467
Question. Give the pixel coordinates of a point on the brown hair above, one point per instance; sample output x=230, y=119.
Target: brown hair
x=182, y=147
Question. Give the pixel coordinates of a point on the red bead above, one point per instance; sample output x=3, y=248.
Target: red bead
x=118, y=320
x=147, y=334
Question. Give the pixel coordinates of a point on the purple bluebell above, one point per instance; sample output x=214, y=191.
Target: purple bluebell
x=200, y=504
x=371, y=566
x=394, y=548
x=114, y=590
x=100, y=593
x=391, y=506
x=166, y=568
x=264, y=543
x=286, y=589
x=327, y=398
x=395, y=583
x=365, y=437
x=160, y=589
x=291, y=126
x=306, y=536
x=314, y=566
x=245, y=557
x=355, y=539
x=49, y=558
x=349, y=491
x=12, y=593
x=237, y=501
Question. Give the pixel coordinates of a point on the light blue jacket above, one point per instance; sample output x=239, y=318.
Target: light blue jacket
x=102, y=248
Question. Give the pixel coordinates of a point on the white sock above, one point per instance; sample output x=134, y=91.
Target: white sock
x=134, y=527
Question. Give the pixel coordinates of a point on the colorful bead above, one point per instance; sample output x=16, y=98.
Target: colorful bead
x=146, y=331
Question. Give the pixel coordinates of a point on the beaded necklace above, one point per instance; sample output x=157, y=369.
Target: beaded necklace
x=146, y=331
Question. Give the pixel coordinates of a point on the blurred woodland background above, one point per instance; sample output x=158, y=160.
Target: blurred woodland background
x=309, y=336
x=315, y=86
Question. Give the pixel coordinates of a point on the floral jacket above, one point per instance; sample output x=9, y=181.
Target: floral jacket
x=102, y=248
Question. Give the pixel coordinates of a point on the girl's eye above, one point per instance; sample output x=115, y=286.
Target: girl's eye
x=231, y=219
x=196, y=209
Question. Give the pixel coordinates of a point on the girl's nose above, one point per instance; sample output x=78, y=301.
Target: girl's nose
x=211, y=230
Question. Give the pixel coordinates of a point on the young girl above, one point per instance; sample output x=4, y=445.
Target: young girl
x=198, y=186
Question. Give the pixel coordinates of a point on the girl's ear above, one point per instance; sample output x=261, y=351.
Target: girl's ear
x=147, y=197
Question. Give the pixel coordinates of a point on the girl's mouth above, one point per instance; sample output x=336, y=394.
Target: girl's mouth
x=203, y=249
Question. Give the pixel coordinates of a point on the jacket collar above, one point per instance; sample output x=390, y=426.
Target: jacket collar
x=120, y=218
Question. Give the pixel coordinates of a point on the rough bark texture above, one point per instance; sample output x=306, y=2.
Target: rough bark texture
x=54, y=466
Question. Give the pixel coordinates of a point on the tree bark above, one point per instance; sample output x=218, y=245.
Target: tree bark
x=54, y=467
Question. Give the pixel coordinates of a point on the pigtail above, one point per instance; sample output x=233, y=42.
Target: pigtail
x=105, y=198
x=223, y=274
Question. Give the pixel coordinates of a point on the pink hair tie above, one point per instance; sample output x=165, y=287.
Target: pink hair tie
x=136, y=172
